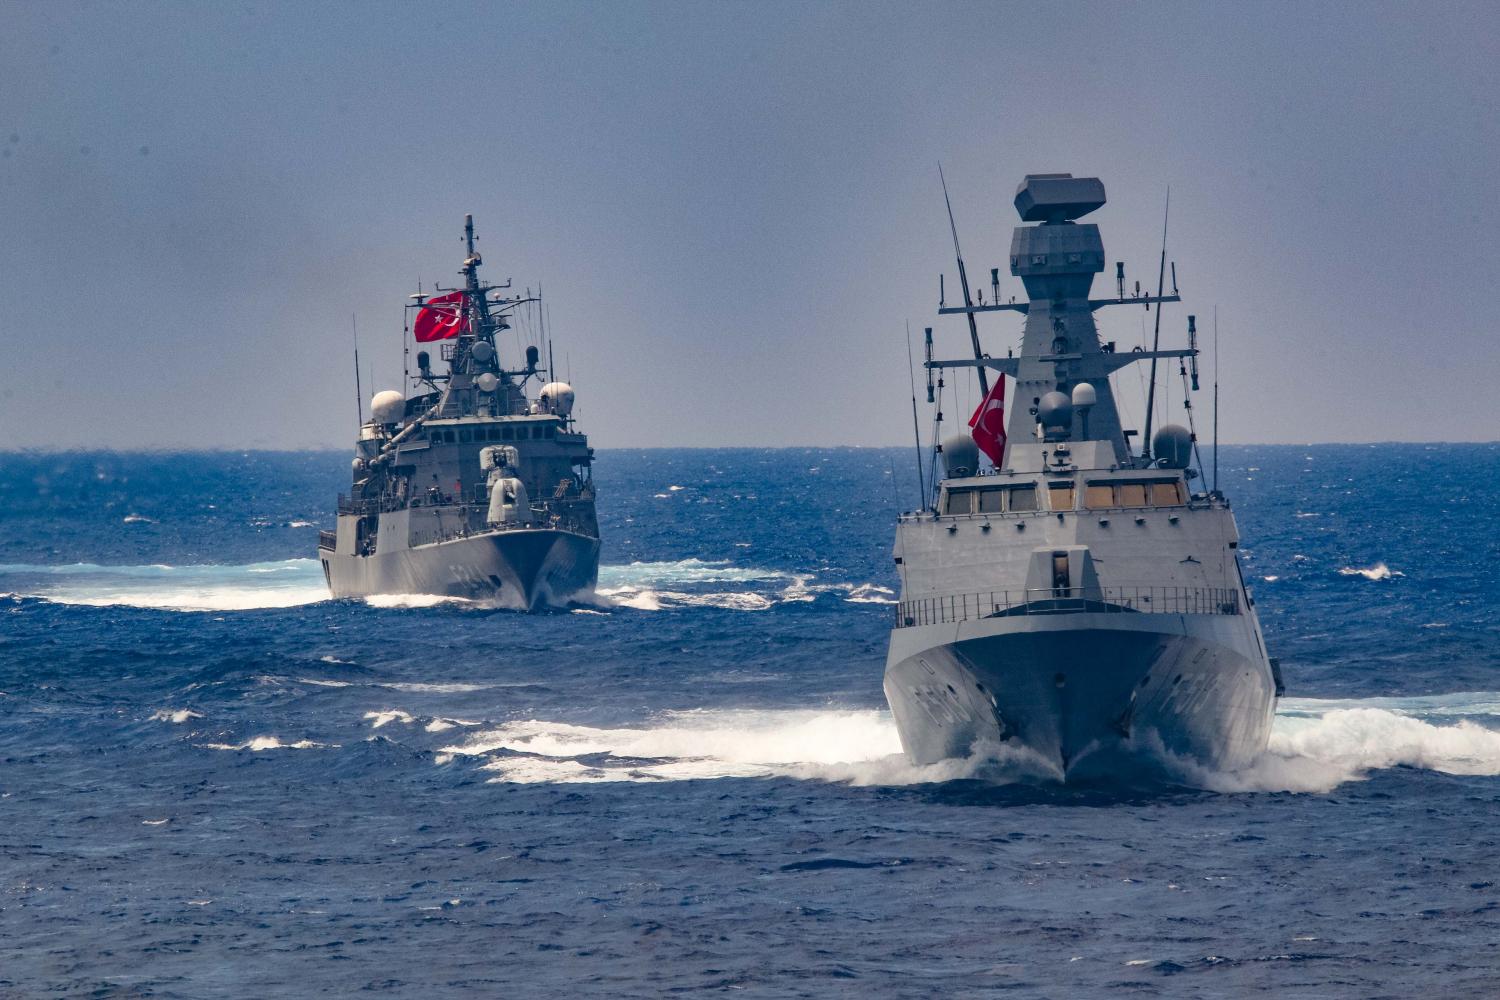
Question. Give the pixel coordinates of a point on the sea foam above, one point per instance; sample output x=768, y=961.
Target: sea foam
x=1315, y=746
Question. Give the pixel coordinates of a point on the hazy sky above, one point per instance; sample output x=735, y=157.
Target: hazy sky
x=733, y=208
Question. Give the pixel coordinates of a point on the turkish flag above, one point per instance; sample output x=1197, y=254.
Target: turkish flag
x=441, y=318
x=988, y=423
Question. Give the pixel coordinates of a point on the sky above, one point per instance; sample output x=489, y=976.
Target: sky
x=733, y=208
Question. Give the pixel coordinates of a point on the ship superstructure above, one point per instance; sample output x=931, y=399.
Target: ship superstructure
x=1078, y=601
x=477, y=485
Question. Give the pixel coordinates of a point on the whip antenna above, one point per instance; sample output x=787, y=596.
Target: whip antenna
x=1161, y=286
x=963, y=279
x=1216, y=398
x=359, y=394
x=915, y=429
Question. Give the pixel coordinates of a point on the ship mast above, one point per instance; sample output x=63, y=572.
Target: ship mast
x=481, y=327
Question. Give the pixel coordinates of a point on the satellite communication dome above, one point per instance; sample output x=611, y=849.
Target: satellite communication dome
x=1055, y=414
x=487, y=382
x=1084, y=395
x=960, y=456
x=1172, y=446
x=387, y=407
x=556, y=397
x=483, y=352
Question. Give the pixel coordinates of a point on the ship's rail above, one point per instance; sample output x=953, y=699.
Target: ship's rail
x=1068, y=600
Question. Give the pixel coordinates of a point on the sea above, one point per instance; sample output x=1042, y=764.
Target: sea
x=217, y=782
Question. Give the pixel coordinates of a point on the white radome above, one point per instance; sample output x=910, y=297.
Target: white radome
x=387, y=407
x=487, y=382
x=556, y=397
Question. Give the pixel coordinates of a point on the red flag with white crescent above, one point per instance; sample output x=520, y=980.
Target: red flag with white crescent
x=440, y=318
x=988, y=423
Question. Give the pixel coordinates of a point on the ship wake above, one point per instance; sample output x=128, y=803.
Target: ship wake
x=290, y=583
x=1316, y=745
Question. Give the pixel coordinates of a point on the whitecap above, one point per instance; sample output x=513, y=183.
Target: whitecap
x=1380, y=571
x=871, y=593
x=258, y=744
x=437, y=687
x=176, y=716
x=389, y=715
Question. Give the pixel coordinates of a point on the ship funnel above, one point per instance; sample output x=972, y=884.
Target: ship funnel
x=960, y=456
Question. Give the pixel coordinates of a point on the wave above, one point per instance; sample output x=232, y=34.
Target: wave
x=175, y=716
x=285, y=584
x=1316, y=745
x=288, y=583
x=683, y=571
x=696, y=583
x=1380, y=571
x=257, y=744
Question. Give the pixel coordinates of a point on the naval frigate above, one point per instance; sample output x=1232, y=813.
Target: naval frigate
x=477, y=483
x=1078, y=603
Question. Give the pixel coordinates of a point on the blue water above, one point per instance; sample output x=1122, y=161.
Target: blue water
x=214, y=782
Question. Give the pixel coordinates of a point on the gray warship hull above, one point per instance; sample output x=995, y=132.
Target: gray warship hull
x=1078, y=605
x=1083, y=694
x=518, y=568
x=472, y=488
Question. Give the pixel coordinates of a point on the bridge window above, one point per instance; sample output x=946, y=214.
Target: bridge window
x=1060, y=495
x=1023, y=498
x=959, y=502
x=1131, y=494
x=1098, y=496
x=1167, y=494
x=991, y=501
x=465, y=436
x=507, y=433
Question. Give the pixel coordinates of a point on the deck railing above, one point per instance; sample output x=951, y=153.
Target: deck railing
x=1068, y=600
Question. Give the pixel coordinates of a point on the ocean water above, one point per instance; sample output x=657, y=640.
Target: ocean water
x=215, y=782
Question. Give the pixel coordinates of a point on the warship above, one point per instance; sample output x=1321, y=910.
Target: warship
x=1076, y=602
x=467, y=484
